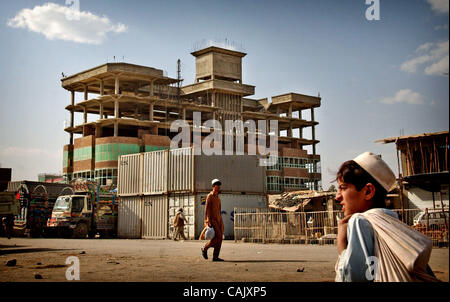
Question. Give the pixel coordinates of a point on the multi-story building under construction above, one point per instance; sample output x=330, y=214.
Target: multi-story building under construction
x=134, y=107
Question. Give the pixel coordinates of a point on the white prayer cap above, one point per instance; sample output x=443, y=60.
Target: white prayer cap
x=378, y=169
x=216, y=182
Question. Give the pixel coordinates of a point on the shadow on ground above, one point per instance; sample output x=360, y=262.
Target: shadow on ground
x=8, y=246
x=268, y=261
x=30, y=250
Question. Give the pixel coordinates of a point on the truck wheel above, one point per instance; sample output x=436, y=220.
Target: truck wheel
x=80, y=231
x=35, y=232
x=92, y=234
x=106, y=235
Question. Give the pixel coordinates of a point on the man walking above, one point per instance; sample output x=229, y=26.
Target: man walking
x=178, y=223
x=213, y=218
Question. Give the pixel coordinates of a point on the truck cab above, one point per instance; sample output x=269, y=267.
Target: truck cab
x=73, y=216
x=9, y=207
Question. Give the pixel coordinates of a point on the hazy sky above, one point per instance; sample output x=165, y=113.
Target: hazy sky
x=376, y=78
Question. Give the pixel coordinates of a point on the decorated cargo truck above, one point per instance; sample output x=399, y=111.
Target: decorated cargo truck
x=86, y=211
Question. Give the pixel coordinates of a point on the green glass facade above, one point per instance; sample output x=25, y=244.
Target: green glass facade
x=103, y=153
x=111, y=152
x=84, y=153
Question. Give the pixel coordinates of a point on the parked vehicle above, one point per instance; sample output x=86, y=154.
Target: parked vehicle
x=36, y=200
x=436, y=219
x=9, y=207
x=106, y=215
x=88, y=210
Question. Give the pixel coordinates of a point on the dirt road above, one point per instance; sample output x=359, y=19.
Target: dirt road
x=165, y=260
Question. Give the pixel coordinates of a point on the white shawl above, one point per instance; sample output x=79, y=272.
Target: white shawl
x=402, y=252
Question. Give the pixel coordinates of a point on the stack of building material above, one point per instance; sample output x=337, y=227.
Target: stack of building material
x=300, y=200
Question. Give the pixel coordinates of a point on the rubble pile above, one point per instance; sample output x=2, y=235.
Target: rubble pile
x=296, y=200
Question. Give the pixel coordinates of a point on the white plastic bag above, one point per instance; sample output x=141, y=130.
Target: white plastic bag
x=210, y=233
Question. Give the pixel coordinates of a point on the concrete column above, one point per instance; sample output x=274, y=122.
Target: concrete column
x=152, y=89
x=184, y=113
x=290, y=110
x=150, y=112
x=300, y=130
x=72, y=102
x=101, y=111
x=85, y=115
x=102, y=87
x=85, y=92
x=313, y=131
x=117, y=85
x=278, y=111
x=116, y=129
x=290, y=130
x=98, y=130
x=213, y=99
x=136, y=112
x=116, y=108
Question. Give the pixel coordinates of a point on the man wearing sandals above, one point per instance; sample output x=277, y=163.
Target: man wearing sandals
x=213, y=218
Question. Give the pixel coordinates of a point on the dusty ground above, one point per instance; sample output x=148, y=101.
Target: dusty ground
x=165, y=260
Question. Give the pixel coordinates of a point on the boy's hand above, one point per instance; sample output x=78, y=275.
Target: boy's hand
x=342, y=233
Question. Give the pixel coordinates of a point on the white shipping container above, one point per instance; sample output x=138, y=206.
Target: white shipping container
x=129, y=223
x=238, y=173
x=154, y=172
x=129, y=175
x=181, y=170
x=154, y=217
